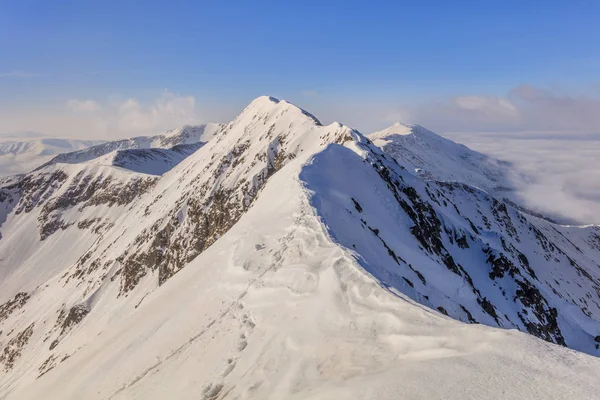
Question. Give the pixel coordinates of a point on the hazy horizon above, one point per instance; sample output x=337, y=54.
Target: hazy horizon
x=119, y=69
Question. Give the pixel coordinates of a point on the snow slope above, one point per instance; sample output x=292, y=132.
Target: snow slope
x=286, y=259
x=153, y=161
x=276, y=310
x=458, y=250
x=18, y=155
x=53, y=215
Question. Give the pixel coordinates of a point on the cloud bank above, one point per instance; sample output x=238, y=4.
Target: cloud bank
x=524, y=108
x=564, y=170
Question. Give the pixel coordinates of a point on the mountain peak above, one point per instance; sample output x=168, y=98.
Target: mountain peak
x=271, y=105
x=434, y=157
x=397, y=129
x=263, y=100
x=400, y=128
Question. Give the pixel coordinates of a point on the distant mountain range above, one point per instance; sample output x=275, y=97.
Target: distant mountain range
x=20, y=155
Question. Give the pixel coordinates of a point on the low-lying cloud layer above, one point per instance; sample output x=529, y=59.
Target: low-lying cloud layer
x=564, y=170
x=524, y=108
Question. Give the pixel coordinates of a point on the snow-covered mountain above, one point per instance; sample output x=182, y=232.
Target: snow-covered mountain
x=19, y=156
x=22, y=154
x=153, y=161
x=436, y=158
x=189, y=134
x=287, y=259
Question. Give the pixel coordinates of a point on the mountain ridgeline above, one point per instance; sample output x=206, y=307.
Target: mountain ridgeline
x=108, y=251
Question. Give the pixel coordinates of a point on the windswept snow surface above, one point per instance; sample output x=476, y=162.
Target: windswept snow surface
x=287, y=260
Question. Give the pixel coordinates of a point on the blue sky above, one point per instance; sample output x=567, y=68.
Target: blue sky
x=334, y=58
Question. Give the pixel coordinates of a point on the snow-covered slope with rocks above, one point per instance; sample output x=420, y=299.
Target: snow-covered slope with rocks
x=20, y=155
x=287, y=259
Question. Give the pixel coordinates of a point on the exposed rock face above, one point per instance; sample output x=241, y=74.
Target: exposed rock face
x=55, y=192
x=13, y=349
x=13, y=305
x=73, y=317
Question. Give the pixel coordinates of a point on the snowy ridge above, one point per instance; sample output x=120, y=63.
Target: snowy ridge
x=286, y=259
x=185, y=135
x=155, y=161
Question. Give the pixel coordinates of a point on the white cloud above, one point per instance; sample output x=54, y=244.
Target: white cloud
x=543, y=109
x=394, y=116
x=90, y=119
x=83, y=105
x=168, y=111
x=490, y=106
x=523, y=108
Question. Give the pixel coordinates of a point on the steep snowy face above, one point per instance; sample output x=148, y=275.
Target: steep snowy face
x=283, y=258
x=19, y=156
x=185, y=135
x=433, y=157
x=456, y=249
